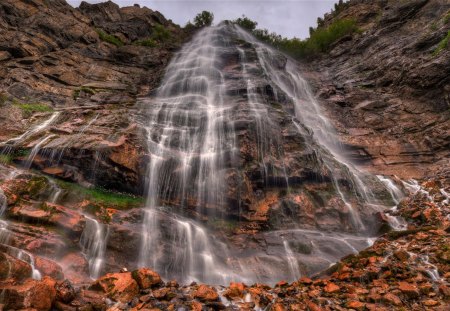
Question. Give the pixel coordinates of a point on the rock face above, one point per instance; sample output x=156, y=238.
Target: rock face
x=386, y=89
x=59, y=58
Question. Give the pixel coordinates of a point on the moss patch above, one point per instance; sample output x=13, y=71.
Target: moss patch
x=102, y=196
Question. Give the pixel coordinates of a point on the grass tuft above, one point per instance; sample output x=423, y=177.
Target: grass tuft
x=109, y=38
x=442, y=45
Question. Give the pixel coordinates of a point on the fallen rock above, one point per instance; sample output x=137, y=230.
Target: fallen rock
x=205, y=293
x=146, y=278
x=33, y=294
x=118, y=286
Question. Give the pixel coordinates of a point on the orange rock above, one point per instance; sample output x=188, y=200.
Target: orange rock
x=49, y=268
x=430, y=303
x=33, y=294
x=357, y=305
x=313, y=307
x=278, y=307
x=118, y=286
x=206, y=293
x=331, y=288
x=408, y=289
x=146, y=278
x=401, y=255
x=235, y=290
x=392, y=299
x=305, y=280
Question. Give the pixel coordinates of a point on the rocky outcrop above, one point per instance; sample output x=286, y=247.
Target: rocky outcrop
x=386, y=89
x=88, y=65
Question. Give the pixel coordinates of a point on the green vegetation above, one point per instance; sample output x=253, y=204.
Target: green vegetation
x=109, y=38
x=102, y=196
x=447, y=18
x=5, y=158
x=146, y=42
x=320, y=40
x=85, y=89
x=32, y=107
x=203, y=19
x=246, y=23
x=160, y=34
x=442, y=45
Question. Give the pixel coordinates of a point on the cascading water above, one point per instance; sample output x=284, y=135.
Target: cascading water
x=93, y=243
x=194, y=147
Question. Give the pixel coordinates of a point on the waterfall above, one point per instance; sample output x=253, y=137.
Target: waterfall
x=191, y=143
x=93, y=242
x=212, y=89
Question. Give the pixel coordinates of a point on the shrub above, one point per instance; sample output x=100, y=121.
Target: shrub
x=3, y=98
x=109, y=38
x=160, y=33
x=203, y=19
x=442, y=45
x=246, y=23
x=320, y=40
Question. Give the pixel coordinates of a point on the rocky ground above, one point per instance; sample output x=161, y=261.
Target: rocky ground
x=403, y=270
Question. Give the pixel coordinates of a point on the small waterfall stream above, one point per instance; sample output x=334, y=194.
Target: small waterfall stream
x=93, y=242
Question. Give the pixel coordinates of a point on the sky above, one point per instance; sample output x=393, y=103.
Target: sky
x=290, y=18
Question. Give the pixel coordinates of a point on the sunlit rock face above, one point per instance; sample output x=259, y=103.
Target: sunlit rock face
x=236, y=141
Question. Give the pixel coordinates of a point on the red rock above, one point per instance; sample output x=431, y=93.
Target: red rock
x=305, y=280
x=445, y=290
x=331, y=288
x=282, y=283
x=313, y=307
x=401, y=255
x=64, y=291
x=33, y=294
x=430, y=303
x=392, y=299
x=14, y=268
x=408, y=289
x=278, y=307
x=357, y=305
x=146, y=278
x=49, y=268
x=235, y=290
x=205, y=293
x=117, y=286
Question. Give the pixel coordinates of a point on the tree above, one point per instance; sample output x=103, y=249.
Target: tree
x=203, y=19
x=246, y=23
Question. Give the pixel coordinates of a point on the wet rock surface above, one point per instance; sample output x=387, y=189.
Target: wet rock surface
x=403, y=270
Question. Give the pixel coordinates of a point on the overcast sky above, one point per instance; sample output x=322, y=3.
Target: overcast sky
x=290, y=18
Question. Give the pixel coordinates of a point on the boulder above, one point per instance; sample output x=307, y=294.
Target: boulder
x=205, y=293
x=118, y=286
x=32, y=294
x=146, y=278
x=13, y=268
